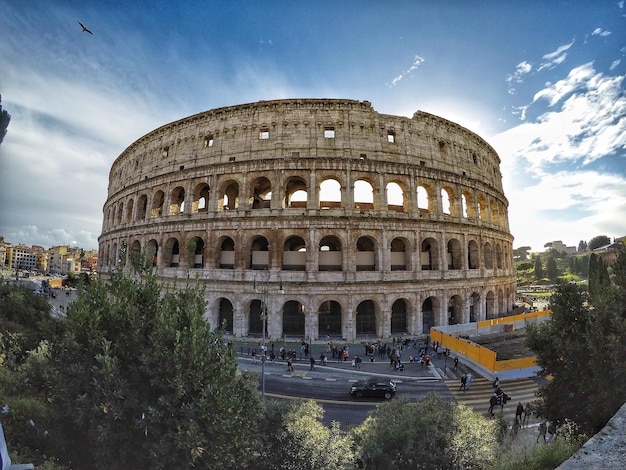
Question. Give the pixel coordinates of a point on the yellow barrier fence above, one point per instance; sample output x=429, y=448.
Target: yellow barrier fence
x=485, y=356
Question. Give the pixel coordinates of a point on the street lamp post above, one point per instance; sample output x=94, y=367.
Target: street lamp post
x=264, y=313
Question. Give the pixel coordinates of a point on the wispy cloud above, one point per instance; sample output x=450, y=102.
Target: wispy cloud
x=521, y=70
x=417, y=61
x=552, y=59
x=600, y=32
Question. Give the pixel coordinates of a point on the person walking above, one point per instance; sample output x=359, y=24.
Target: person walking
x=463, y=382
x=468, y=382
x=289, y=365
x=456, y=362
x=519, y=411
x=312, y=360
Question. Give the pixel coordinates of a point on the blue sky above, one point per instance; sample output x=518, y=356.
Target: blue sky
x=541, y=81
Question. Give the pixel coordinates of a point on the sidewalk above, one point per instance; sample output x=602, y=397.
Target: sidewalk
x=378, y=367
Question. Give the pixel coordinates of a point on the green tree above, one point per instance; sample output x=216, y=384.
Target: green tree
x=521, y=253
x=5, y=118
x=583, y=348
x=141, y=381
x=598, y=241
x=294, y=437
x=552, y=270
x=598, y=275
x=582, y=246
x=538, y=268
x=432, y=433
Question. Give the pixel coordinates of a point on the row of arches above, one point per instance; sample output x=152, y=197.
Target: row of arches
x=330, y=319
x=426, y=197
x=332, y=253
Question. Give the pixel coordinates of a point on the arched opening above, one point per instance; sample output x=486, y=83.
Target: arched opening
x=399, y=317
x=227, y=253
x=330, y=194
x=255, y=318
x=196, y=252
x=490, y=305
x=296, y=195
x=395, y=197
x=446, y=202
x=430, y=305
x=398, y=255
x=365, y=254
x=157, y=204
x=293, y=319
x=142, y=207
x=152, y=251
x=455, y=310
x=499, y=256
x=172, y=253
x=129, y=210
x=200, y=198
x=226, y=316
x=363, y=195
x=261, y=193
x=473, y=255
x=330, y=255
x=423, y=199
x=474, y=306
x=329, y=320
x=366, y=319
x=428, y=255
x=294, y=254
x=455, y=254
x=229, y=198
x=488, y=256
x=259, y=253
x=177, y=201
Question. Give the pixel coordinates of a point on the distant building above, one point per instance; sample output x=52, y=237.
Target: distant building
x=22, y=257
x=559, y=246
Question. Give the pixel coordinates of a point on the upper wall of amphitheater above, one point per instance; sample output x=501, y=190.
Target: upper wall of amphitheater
x=299, y=129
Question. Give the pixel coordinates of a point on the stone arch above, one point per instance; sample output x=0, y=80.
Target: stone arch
x=455, y=310
x=329, y=320
x=259, y=253
x=363, y=194
x=474, y=307
x=177, y=201
x=455, y=254
x=294, y=254
x=330, y=254
x=200, y=201
x=152, y=250
x=467, y=201
x=483, y=213
x=488, y=253
x=294, y=319
x=424, y=198
x=490, y=305
x=366, y=254
x=172, y=253
x=330, y=193
x=400, y=254
x=296, y=193
x=429, y=254
x=226, y=252
x=395, y=192
x=142, y=207
x=196, y=252
x=256, y=314
x=228, y=196
x=225, y=316
x=473, y=255
x=499, y=256
x=129, y=210
x=120, y=212
x=430, y=309
x=399, y=317
x=366, y=319
x=158, y=200
x=261, y=196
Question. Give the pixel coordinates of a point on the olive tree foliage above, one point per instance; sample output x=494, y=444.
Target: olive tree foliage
x=141, y=381
x=293, y=437
x=430, y=434
x=583, y=348
x=598, y=241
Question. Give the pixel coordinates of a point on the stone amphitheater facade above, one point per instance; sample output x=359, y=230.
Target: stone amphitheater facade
x=322, y=216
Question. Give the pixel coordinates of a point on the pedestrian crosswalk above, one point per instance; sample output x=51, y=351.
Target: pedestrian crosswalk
x=480, y=391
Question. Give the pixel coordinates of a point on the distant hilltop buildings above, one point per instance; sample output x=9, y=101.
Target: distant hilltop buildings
x=62, y=259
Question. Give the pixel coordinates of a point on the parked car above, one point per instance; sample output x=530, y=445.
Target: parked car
x=374, y=387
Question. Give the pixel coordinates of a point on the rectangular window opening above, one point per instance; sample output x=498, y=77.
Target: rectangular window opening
x=208, y=141
x=264, y=134
x=329, y=132
x=391, y=137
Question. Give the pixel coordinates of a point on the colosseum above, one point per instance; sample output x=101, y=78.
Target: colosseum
x=317, y=219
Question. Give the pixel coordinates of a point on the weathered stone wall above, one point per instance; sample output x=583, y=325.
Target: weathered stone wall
x=237, y=194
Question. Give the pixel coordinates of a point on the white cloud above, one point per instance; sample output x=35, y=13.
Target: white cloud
x=552, y=59
x=600, y=32
x=417, y=61
x=521, y=70
x=614, y=64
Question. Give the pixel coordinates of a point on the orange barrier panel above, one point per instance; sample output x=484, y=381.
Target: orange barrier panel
x=479, y=354
x=521, y=363
x=512, y=318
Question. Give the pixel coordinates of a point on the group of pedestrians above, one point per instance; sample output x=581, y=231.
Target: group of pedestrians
x=466, y=381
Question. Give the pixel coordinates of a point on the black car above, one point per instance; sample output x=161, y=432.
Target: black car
x=374, y=387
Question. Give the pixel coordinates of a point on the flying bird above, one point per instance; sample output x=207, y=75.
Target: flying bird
x=85, y=30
